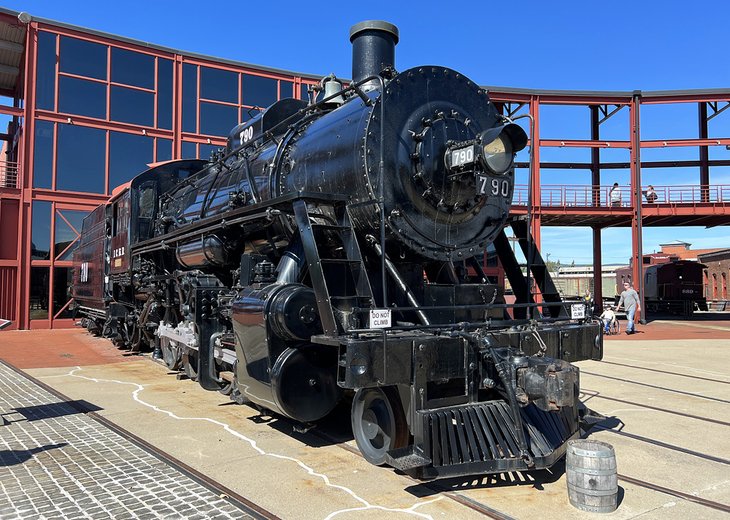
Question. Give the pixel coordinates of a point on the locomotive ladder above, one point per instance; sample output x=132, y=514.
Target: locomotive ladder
x=334, y=292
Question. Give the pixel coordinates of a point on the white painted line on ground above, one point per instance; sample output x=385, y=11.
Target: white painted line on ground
x=365, y=504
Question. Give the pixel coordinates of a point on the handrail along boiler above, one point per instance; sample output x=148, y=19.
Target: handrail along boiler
x=330, y=249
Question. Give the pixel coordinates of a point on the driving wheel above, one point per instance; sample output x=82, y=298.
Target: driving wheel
x=190, y=364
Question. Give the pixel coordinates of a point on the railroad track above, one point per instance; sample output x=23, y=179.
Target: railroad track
x=245, y=505
x=659, y=371
x=657, y=387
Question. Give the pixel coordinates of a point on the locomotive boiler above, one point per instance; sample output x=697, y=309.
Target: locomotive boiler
x=329, y=252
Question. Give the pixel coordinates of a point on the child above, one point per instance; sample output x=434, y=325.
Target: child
x=609, y=318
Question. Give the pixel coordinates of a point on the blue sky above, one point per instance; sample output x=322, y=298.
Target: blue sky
x=620, y=45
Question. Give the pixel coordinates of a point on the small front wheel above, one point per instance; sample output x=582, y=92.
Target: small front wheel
x=378, y=423
x=615, y=327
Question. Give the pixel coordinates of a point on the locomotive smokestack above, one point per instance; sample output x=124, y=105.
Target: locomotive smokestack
x=373, y=49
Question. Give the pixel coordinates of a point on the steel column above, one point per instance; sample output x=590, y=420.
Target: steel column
x=597, y=262
x=534, y=199
x=636, y=224
x=596, y=200
x=177, y=101
x=704, y=154
x=535, y=144
x=595, y=156
x=25, y=159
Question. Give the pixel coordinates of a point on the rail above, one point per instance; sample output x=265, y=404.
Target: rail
x=8, y=174
x=599, y=196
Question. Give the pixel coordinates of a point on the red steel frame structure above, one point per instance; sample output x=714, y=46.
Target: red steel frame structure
x=700, y=208
x=15, y=273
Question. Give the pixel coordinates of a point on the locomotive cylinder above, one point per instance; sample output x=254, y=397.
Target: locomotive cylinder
x=279, y=368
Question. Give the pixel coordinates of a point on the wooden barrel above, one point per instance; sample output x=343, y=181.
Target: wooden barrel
x=590, y=469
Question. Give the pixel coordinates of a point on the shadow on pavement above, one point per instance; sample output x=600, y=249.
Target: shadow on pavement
x=13, y=457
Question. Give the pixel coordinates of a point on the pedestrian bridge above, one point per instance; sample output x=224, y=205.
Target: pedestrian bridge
x=575, y=205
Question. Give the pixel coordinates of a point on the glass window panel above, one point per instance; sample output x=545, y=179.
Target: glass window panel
x=46, y=70
x=39, y=289
x=62, y=237
x=132, y=106
x=43, y=154
x=41, y=231
x=133, y=68
x=62, y=281
x=82, y=97
x=83, y=58
x=164, y=150
x=221, y=85
x=129, y=155
x=81, y=159
x=258, y=91
x=217, y=119
x=164, y=93
x=190, y=98
x=286, y=89
x=189, y=150
x=66, y=234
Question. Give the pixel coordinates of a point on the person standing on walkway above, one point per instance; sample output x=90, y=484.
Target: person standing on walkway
x=650, y=195
x=630, y=301
x=615, y=195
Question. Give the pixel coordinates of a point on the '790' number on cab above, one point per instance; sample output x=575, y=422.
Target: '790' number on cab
x=486, y=185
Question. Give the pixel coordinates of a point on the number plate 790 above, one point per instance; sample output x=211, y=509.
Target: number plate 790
x=491, y=186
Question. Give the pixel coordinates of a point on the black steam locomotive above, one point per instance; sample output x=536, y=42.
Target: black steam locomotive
x=329, y=252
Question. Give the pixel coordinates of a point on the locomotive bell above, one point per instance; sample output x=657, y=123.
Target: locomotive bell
x=333, y=86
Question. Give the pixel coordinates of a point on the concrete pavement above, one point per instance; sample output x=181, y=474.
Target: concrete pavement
x=668, y=401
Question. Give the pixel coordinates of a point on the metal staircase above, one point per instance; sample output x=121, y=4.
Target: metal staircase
x=336, y=267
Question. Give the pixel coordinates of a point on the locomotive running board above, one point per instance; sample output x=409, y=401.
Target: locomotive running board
x=480, y=439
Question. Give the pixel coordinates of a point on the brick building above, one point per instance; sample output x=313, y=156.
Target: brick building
x=716, y=276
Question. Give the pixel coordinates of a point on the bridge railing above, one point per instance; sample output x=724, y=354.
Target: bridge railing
x=558, y=195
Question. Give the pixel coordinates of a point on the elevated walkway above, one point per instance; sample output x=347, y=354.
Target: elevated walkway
x=571, y=205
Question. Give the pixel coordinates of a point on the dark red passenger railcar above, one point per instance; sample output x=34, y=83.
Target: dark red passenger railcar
x=90, y=271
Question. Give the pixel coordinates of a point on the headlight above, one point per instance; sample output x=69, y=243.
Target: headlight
x=498, y=154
